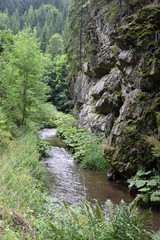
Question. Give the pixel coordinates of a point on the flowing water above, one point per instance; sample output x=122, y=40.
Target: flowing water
x=70, y=182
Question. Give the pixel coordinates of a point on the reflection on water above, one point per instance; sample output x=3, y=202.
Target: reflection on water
x=70, y=182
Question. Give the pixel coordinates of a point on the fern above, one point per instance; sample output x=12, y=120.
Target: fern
x=156, y=236
x=124, y=223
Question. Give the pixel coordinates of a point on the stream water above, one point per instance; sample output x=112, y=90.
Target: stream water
x=70, y=182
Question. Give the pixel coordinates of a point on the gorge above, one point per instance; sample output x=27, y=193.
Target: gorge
x=116, y=91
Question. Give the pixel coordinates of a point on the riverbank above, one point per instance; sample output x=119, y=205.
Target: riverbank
x=72, y=182
x=85, y=146
x=28, y=211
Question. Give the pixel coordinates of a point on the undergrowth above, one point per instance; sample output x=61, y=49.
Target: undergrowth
x=147, y=184
x=27, y=211
x=85, y=146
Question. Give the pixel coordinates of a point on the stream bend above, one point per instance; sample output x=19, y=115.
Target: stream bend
x=69, y=182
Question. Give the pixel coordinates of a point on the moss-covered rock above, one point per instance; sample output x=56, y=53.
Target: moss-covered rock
x=117, y=91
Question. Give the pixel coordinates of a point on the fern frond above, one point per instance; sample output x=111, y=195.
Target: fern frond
x=156, y=236
x=98, y=212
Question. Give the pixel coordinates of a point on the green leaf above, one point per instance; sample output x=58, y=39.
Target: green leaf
x=152, y=182
x=80, y=231
x=144, y=189
x=57, y=230
x=140, y=183
x=131, y=183
x=145, y=197
x=155, y=196
x=140, y=172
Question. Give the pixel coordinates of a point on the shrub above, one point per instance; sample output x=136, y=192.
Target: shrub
x=124, y=222
x=94, y=159
x=5, y=134
x=147, y=184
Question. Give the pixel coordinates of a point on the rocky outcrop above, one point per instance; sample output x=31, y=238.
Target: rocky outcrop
x=118, y=89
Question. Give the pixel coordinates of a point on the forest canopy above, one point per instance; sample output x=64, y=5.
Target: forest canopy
x=48, y=19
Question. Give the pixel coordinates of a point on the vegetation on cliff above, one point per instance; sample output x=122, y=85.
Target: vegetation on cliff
x=115, y=82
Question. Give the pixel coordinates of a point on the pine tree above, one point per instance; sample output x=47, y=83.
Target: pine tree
x=77, y=21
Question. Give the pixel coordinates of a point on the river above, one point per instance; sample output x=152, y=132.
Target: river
x=69, y=181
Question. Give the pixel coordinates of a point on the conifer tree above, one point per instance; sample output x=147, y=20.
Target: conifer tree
x=77, y=20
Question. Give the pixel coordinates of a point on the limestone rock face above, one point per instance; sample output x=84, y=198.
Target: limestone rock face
x=117, y=92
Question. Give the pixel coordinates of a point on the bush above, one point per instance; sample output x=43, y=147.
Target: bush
x=94, y=159
x=147, y=184
x=124, y=222
x=5, y=134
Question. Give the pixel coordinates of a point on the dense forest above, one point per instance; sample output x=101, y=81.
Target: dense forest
x=90, y=69
x=48, y=18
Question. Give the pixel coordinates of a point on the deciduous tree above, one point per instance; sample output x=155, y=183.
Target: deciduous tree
x=24, y=88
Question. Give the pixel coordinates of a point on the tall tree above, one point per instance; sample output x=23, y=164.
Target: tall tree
x=60, y=95
x=77, y=20
x=15, y=22
x=55, y=46
x=4, y=20
x=22, y=76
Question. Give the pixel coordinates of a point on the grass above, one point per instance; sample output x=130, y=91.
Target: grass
x=95, y=160
x=20, y=171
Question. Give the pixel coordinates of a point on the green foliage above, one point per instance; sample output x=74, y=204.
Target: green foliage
x=63, y=121
x=5, y=134
x=147, y=184
x=116, y=223
x=23, y=6
x=27, y=212
x=77, y=140
x=60, y=95
x=77, y=20
x=156, y=236
x=46, y=17
x=85, y=146
x=124, y=222
x=4, y=20
x=55, y=46
x=24, y=91
x=6, y=40
x=42, y=147
x=19, y=170
x=94, y=159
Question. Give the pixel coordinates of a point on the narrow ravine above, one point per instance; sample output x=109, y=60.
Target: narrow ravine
x=70, y=182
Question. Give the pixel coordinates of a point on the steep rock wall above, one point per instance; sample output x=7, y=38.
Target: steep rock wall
x=117, y=90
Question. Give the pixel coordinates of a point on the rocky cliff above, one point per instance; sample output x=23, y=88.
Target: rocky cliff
x=118, y=89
